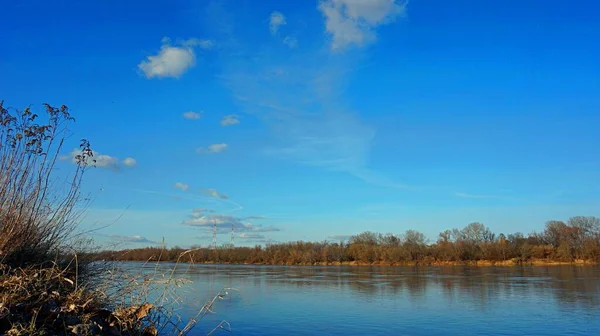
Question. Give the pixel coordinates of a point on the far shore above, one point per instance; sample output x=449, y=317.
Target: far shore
x=477, y=263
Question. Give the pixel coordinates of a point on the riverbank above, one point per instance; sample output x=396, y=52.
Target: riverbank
x=51, y=300
x=576, y=242
x=478, y=263
x=425, y=263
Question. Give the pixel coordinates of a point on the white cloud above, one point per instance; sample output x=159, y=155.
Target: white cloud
x=172, y=60
x=290, y=41
x=130, y=162
x=99, y=160
x=214, y=148
x=216, y=194
x=276, y=20
x=229, y=120
x=133, y=239
x=260, y=228
x=224, y=223
x=253, y=238
x=181, y=186
x=191, y=115
x=353, y=22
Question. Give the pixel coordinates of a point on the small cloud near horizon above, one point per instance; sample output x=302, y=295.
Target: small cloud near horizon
x=254, y=238
x=254, y=217
x=133, y=239
x=225, y=223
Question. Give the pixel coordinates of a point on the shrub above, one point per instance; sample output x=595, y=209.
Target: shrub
x=37, y=221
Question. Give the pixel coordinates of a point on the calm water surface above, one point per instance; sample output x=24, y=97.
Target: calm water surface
x=283, y=300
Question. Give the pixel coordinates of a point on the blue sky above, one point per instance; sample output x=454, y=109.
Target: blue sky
x=315, y=120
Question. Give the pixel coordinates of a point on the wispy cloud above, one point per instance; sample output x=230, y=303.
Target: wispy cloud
x=132, y=239
x=212, y=149
x=224, y=223
x=181, y=186
x=302, y=100
x=254, y=217
x=290, y=41
x=173, y=60
x=196, y=42
x=203, y=210
x=243, y=238
x=100, y=160
x=352, y=22
x=229, y=120
x=275, y=21
x=301, y=96
x=191, y=115
x=215, y=193
x=253, y=238
x=260, y=228
x=299, y=99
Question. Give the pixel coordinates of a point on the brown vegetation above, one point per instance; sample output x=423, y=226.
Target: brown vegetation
x=48, y=283
x=577, y=241
x=48, y=300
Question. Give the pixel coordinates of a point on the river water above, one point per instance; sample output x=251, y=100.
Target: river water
x=288, y=300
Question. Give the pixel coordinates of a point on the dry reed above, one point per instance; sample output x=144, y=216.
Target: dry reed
x=48, y=283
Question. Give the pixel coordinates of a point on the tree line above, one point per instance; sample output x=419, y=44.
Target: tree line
x=576, y=239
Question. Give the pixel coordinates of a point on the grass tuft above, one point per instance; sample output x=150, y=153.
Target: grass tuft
x=49, y=284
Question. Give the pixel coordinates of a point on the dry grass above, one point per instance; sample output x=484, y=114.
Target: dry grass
x=164, y=291
x=47, y=285
x=44, y=300
x=37, y=217
x=49, y=300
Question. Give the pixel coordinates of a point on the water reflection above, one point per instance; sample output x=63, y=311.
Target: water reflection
x=568, y=285
x=485, y=300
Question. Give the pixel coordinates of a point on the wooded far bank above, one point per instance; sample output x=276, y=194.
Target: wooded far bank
x=576, y=241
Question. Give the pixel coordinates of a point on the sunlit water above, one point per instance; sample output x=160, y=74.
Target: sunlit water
x=283, y=300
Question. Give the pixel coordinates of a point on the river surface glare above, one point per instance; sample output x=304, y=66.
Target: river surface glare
x=303, y=300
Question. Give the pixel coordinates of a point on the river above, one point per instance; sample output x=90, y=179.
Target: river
x=288, y=300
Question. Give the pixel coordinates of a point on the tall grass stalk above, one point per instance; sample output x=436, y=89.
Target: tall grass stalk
x=48, y=283
x=37, y=218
